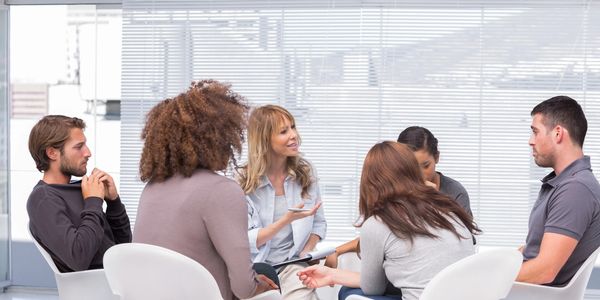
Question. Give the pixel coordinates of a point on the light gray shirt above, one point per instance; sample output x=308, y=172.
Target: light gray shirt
x=409, y=267
x=282, y=242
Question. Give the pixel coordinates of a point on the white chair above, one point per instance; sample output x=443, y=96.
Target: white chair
x=486, y=275
x=144, y=272
x=90, y=284
x=574, y=290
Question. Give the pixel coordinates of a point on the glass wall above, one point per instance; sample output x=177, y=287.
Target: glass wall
x=4, y=203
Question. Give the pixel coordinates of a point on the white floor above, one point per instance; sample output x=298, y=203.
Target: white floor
x=18, y=293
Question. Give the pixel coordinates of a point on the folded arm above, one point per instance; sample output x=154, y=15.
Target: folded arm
x=555, y=250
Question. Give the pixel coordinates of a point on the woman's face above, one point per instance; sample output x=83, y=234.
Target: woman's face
x=284, y=141
x=427, y=163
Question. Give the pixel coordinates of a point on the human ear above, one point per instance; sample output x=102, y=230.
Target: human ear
x=52, y=153
x=558, y=133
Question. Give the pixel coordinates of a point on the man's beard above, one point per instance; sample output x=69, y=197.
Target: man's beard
x=70, y=169
x=546, y=161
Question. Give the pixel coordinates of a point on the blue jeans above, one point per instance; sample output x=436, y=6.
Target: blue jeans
x=346, y=291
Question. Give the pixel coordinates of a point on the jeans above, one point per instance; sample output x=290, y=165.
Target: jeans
x=346, y=291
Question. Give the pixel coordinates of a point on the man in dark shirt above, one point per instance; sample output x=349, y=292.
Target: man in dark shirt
x=564, y=226
x=66, y=217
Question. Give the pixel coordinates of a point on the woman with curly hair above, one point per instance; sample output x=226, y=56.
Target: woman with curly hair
x=410, y=231
x=186, y=206
x=275, y=179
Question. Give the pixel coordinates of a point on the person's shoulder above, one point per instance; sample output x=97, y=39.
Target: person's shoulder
x=582, y=181
x=451, y=181
x=451, y=187
x=220, y=184
x=43, y=193
x=43, y=190
x=374, y=223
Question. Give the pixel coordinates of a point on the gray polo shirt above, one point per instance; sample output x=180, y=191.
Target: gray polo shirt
x=568, y=204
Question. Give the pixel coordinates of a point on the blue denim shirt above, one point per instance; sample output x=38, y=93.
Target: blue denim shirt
x=261, y=205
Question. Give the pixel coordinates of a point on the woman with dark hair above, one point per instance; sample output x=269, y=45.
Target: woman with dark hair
x=186, y=206
x=410, y=231
x=425, y=148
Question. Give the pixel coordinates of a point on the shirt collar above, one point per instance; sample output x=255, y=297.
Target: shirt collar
x=576, y=166
x=264, y=180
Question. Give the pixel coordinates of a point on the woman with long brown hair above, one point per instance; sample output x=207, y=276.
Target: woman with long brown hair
x=186, y=205
x=410, y=231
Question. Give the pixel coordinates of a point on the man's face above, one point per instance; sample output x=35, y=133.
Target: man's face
x=541, y=142
x=75, y=154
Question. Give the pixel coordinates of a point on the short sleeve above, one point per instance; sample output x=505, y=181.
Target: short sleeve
x=570, y=210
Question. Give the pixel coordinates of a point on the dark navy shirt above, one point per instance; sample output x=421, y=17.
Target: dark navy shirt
x=568, y=204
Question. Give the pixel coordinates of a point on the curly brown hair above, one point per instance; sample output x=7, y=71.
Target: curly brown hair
x=202, y=128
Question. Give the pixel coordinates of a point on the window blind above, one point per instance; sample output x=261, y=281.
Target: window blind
x=357, y=72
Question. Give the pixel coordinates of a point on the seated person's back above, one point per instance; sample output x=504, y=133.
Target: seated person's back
x=186, y=206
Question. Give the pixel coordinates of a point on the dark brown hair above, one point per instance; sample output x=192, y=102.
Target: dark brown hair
x=566, y=112
x=420, y=138
x=51, y=131
x=392, y=189
x=202, y=128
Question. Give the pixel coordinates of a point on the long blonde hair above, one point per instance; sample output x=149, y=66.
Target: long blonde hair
x=263, y=123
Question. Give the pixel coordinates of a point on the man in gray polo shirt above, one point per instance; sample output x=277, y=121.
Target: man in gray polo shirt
x=564, y=225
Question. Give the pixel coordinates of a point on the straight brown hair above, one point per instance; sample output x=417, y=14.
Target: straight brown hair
x=51, y=131
x=392, y=188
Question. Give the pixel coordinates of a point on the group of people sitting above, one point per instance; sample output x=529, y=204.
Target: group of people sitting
x=414, y=220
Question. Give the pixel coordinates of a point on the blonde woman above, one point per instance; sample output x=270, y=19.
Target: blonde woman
x=275, y=180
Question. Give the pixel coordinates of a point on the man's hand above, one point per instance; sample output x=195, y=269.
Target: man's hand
x=92, y=187
x=110, y=189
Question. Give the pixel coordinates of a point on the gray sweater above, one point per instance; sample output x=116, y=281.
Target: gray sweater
x=204, y=217
x=387, y=258
x=76, y=232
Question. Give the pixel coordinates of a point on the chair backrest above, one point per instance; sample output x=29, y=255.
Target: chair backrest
x=487, y=275
x=141, y=271
x=574, y=290
x=46, y=256
x=90, y=284
x=582, y=276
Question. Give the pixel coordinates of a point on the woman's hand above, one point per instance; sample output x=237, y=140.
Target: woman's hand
x=291, y=216
x=264, y=284
x=317, y=276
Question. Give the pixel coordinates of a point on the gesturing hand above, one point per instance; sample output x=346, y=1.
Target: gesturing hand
x=110, y=189
x=295, y=215
x=92, y=187
x=316, y=276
